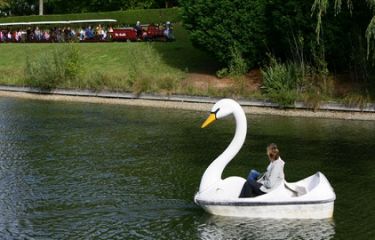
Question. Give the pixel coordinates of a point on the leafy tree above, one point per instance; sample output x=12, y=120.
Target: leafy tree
x=284, y=28
x=62, y=6
x=225, y=26
x=320, y=8
x=26, y=7
x=22, y=7
x=288, y=27
x=4, y=3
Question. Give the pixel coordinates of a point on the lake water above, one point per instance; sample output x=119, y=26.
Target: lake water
x=93, y=171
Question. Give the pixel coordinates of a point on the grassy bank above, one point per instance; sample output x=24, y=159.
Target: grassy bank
x=135, y=67
x=160, y=67
x=154, y=67
x=123, y=17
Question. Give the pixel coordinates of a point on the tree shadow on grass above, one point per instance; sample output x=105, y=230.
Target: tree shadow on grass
x=181, y=54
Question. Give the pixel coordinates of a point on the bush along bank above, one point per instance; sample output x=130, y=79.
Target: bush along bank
x=291, y=81
x=63, y=67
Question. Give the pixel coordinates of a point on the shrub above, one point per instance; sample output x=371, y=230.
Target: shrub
x=359, y=100
x=51, y=69
x=148, y=73
x=237, y=64
x=142, y=83
x=313, y=97
x=97, y=81
x=236, y=67
x=222, y=73
x=285, y=82
x=282, y=82
x=167, y=83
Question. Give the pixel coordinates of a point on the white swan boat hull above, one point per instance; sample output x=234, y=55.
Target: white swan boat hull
x=314, y=210
x=310, y=198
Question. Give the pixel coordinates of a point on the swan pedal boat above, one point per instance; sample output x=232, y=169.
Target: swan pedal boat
x=309, y=198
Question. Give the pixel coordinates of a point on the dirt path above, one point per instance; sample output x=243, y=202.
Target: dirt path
x=253, y=81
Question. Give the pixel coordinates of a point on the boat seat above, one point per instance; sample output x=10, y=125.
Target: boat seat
x=295, y=189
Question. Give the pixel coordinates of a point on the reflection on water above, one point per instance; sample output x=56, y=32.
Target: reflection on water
x=218, y=227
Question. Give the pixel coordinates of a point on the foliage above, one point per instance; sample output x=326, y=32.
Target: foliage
x=237, y=65
x=280, y=76
x=286, y=82
x=275, y=26
x=282, y=81
x=27, y=7
x=289, y=25
x=50, y=69
x=23, y=7
x=359, y=100
x=147, y=75
x=4, y=3
x=222, y=73
x=220, y=26
x=123, y=17
x=320, y=9
x=63, y=67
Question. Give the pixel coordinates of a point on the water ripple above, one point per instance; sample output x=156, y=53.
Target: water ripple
x=87, y=171
x=238, y=228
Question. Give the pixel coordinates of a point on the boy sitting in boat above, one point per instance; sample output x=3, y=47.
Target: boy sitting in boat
x=273, y=177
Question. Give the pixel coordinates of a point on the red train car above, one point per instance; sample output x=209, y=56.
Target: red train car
x=154, y=32
x=149, y=33
x=124, y=34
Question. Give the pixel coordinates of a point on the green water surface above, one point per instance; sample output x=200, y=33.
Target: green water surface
x=93, y=171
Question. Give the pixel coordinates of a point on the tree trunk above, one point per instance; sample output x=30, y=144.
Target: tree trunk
x=40, y=7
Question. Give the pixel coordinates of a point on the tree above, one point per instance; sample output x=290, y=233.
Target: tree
x=75, y=6
x=228, y=29
x=320, y=8
x=26, y=7
x=283, y=28
x=40, y=7
x=4, y=7
x=4, y=3
x=21, y=7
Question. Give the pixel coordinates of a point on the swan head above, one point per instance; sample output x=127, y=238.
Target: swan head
x=221, y=109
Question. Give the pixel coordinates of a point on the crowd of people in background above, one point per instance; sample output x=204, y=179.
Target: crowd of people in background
x=70, y=34
x=55, y=34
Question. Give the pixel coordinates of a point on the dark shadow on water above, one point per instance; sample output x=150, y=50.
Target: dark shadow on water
x=218, y=227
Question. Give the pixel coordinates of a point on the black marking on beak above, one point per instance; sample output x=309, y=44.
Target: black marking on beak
x=217, y=110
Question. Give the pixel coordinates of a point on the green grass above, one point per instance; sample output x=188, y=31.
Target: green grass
x=115, y=66
x=123, y=17
x=136, y=66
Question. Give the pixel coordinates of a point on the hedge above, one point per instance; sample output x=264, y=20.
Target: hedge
x=123, y=17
